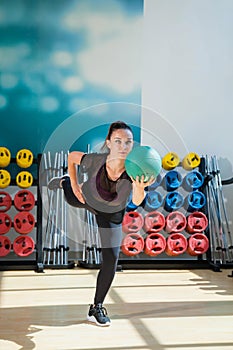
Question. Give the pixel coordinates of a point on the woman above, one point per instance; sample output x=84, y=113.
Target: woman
x=104, y=192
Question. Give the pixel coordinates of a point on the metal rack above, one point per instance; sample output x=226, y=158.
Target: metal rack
x=55, y=243
x=52, y=247
x=218, y=232
x=34, y=260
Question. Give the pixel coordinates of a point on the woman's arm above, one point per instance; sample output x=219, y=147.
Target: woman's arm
x=138, y=192
x=74, y=159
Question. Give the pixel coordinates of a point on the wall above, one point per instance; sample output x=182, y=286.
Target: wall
x=58, y=58
x=187, y=84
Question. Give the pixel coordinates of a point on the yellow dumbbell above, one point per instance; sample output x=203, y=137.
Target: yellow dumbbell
x=5, y=178
x=24, y=179
x=191, y=161
x=24, y=158
x=5, y=157
x=170, y=161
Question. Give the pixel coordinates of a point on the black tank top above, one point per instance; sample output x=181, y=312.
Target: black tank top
x=109, y=198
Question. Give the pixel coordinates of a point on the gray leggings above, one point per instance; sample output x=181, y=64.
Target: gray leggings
x=110, y=237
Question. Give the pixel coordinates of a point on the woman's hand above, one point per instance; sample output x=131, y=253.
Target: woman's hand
x=77, y=189
x=139, y=188
x=139, y=182
x=74, y=159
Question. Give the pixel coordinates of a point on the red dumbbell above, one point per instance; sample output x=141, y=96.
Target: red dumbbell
x=132, y=222
x=196, y=222
x=176, y=244
x=24, y=200
x=23, y=246
x=175, y=222
x=155, y=244
x=198, y=244
x=5, y=223
x=154, y=222
x=5, y=201
x=132, y=244
x=24, y=222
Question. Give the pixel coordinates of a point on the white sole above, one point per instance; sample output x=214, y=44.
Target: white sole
x=93, y=320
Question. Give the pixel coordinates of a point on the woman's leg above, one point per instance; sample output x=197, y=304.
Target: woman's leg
x=69, y=194
x=70, y=197
x=111, y=237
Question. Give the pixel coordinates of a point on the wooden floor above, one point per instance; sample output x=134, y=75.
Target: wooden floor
x=149, y=309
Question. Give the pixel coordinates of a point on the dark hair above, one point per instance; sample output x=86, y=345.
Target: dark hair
x=113, y=127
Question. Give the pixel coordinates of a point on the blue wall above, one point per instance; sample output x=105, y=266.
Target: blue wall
x=61, y=59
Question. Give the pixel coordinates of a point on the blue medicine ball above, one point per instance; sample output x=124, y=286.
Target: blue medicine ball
x=143, y=160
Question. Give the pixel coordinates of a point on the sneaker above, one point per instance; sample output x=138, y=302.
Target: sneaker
x=98, y=315
x=55, y=183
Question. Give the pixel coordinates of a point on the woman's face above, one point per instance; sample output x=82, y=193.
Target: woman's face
x=120, y=143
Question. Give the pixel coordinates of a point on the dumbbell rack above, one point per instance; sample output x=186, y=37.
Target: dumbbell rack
x=34, y=261
x=163, y=261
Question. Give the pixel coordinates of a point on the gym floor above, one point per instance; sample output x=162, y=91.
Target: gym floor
x=149, y=309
